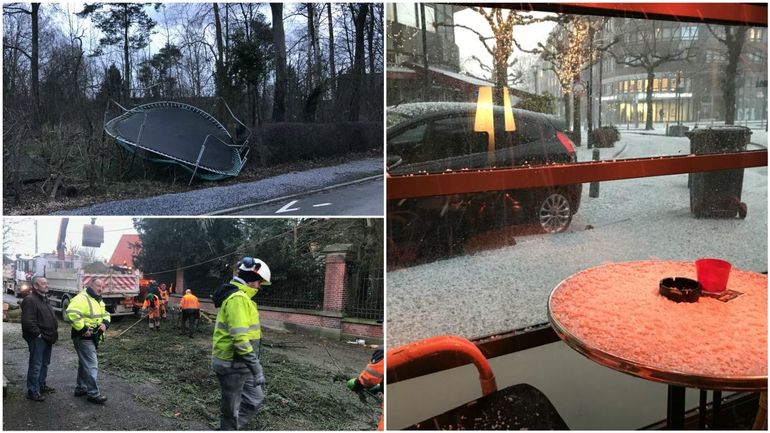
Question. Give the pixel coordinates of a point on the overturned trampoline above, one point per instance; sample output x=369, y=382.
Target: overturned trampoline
x=176, y=133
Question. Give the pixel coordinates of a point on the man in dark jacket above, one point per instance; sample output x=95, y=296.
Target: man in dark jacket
x=39, y=329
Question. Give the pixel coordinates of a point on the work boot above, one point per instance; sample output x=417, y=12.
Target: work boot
x=35, y=396
x=99, y=399
x=45, y=389
x=80, y=392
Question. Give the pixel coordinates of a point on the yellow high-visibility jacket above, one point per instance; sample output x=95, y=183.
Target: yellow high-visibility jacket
x=237, y=323
x=85, y=311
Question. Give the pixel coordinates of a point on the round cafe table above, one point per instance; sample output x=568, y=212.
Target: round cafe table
x=614, y=315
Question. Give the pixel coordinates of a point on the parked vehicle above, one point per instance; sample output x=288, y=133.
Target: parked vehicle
x=66, y=279
x=16, y=276
x=440, y=137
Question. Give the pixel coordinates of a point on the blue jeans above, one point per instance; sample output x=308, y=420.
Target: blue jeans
x=39, y=358
x=88, y=366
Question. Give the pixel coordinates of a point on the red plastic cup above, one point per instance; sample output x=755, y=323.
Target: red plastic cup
x=713, y=274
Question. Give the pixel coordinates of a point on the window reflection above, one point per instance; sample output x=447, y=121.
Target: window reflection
x=497, y=254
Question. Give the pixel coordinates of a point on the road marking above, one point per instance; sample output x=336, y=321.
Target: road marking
x=235, y=209
x=287, y=206
x=322, y=204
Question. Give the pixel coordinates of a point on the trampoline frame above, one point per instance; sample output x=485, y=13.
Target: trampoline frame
x=214, y=174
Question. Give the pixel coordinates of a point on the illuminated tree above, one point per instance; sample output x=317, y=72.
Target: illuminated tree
x=567, y=53
x=501, y=44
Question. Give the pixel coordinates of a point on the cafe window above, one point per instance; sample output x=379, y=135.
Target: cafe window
x=430, y=19
x=689, y=33
x=480, y=247
x=390, y=11
x=406, y=13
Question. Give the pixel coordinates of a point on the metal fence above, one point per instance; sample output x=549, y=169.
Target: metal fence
x=305, y=291
x=366, y=298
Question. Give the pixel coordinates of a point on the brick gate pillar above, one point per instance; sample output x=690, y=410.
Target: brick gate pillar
x=335, y=290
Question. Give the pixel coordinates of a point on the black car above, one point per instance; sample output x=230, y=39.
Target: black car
x=439, y=137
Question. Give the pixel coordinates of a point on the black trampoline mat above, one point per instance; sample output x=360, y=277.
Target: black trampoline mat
x=179, y=133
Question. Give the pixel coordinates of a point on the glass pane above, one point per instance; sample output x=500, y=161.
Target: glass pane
x=406, y=14
x=484, y=257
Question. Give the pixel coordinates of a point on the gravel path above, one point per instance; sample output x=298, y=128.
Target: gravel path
x=208, y=200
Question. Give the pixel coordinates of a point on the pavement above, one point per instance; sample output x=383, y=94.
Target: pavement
x=359, y=198
x=61, y=410
x=211, y=200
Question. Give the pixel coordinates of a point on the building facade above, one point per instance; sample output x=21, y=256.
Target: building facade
x=408, y=78
x=688, y=89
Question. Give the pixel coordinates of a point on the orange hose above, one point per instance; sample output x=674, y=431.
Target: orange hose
x=445, y=345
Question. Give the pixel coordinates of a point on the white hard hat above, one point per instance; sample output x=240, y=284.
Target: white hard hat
x=251, y=264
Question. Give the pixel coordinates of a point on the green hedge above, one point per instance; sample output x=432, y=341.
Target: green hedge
x=606, y=136
x=545, y=103
x=276, y=143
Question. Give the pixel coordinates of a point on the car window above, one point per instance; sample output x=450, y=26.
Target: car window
x=452, y=137
x=528, y=130
x=410, y=144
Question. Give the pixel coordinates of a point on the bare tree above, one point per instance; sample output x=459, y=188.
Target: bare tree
x=733, y=38
x=279, y=46
x=648, y=52
x=359, y=12
x=220, y=72
x=88, y=255
x=315, y=57
x=332, y=67
x=34, y=55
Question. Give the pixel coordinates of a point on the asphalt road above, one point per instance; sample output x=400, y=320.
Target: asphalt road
x=129, y=406
x=361, y=198
x=211, y=200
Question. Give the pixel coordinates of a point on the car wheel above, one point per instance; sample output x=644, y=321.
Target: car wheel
x=554, y=213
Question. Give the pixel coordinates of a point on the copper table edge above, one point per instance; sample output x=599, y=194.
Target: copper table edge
x=722, y=383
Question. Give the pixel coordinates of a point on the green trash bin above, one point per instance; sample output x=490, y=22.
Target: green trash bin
x=717, y=194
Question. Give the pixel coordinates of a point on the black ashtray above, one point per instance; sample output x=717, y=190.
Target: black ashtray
x=680, y=289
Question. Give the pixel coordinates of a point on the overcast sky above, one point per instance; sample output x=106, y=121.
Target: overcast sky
x=526, y=36
x=177, y=21
x=23, y=233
